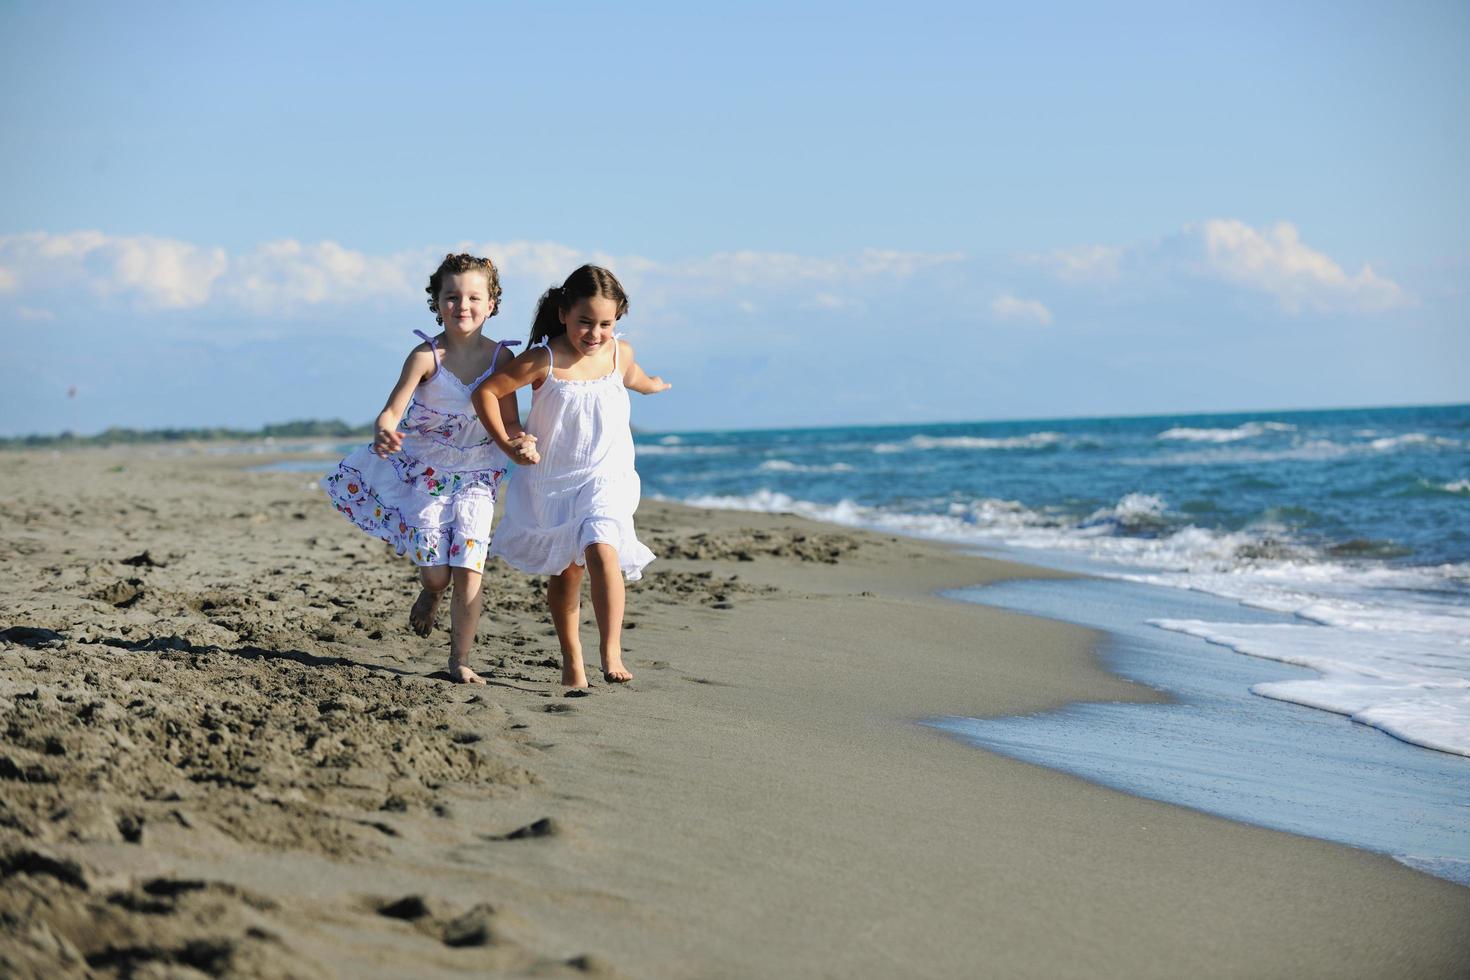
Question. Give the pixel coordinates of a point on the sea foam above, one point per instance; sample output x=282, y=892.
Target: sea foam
x=1403, y=668
x=920, y=443
x=1248, y=430
x=1412, y=684
x=786, y=466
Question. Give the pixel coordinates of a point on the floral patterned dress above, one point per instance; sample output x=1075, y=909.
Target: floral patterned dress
x=435, y=499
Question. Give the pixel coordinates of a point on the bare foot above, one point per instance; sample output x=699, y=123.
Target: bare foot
x=461, y=674
x=613, y=670
x=573, y=674
x=424, y=612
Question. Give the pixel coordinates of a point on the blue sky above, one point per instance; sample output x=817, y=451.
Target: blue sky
x=824, y=213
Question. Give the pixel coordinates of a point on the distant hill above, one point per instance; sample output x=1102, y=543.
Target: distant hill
x=115, y=436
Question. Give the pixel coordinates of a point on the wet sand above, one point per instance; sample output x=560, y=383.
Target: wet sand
x=225, y=753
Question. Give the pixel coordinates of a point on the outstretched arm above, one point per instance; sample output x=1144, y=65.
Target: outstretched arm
x=418, y=366
x=491, y=397
x=634, y=378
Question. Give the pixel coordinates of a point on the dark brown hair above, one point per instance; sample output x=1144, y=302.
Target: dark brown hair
x=589, y=280
x=454, y=265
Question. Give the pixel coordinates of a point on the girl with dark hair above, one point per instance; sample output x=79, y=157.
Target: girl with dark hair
x=572, y=510
x=427, y=483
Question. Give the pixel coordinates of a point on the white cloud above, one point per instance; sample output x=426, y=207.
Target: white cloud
x=1083, y=263
x=66, y=246
x=733, y=271
x=155, y=272
x=879, y=262
x=1011, y=308
x=287, y=276
x=540, y=264
x=1271, y=260
x=670, y=293
x=164, y=273
x=827, y=301
x=1275, y=261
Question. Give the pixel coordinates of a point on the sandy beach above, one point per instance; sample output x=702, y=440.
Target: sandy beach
x=226, y=754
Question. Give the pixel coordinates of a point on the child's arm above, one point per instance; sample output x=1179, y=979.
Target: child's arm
x=490, y=398
x=418, y=366
x=510, y=413
x=633, y=376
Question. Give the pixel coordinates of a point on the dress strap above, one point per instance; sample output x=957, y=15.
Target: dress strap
x=617, y=349
x=504, y=344
x=432, y=346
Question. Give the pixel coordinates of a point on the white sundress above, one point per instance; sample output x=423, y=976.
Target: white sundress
x=585, y=489
x=436, y=497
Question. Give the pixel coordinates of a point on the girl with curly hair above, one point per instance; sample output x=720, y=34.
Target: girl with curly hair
x=427, y=483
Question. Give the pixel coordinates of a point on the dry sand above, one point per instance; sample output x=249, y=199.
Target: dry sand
x=226, y=754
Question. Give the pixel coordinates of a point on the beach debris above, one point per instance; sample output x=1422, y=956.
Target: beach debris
x=130, y=827
x=470, y=929
x=592, y=965
x=387, y=830
x=409, y=908
x=545, y=827
x=144, y=560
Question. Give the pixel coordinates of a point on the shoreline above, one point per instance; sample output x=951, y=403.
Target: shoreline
x=764, y=800
x=1221, y=748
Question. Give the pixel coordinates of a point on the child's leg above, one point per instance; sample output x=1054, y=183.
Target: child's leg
x=564, y=599
x=464, y=618
x=426, y=607
x=607, y=603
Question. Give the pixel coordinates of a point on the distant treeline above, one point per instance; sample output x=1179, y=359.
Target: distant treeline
x=305, y=429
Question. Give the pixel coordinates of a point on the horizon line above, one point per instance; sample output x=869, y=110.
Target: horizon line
x=247, y=434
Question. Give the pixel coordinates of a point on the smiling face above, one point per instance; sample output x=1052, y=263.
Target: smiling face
x=464, y=301
x=590, y=324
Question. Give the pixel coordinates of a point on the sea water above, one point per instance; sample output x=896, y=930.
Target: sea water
x=1219, y=748
x=1334, y=547
x=1356, y=522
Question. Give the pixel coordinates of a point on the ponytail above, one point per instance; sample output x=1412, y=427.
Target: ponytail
x=547, y=323
x=586, y=281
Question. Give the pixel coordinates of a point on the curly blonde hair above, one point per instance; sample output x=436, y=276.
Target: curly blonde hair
x=454, y=265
